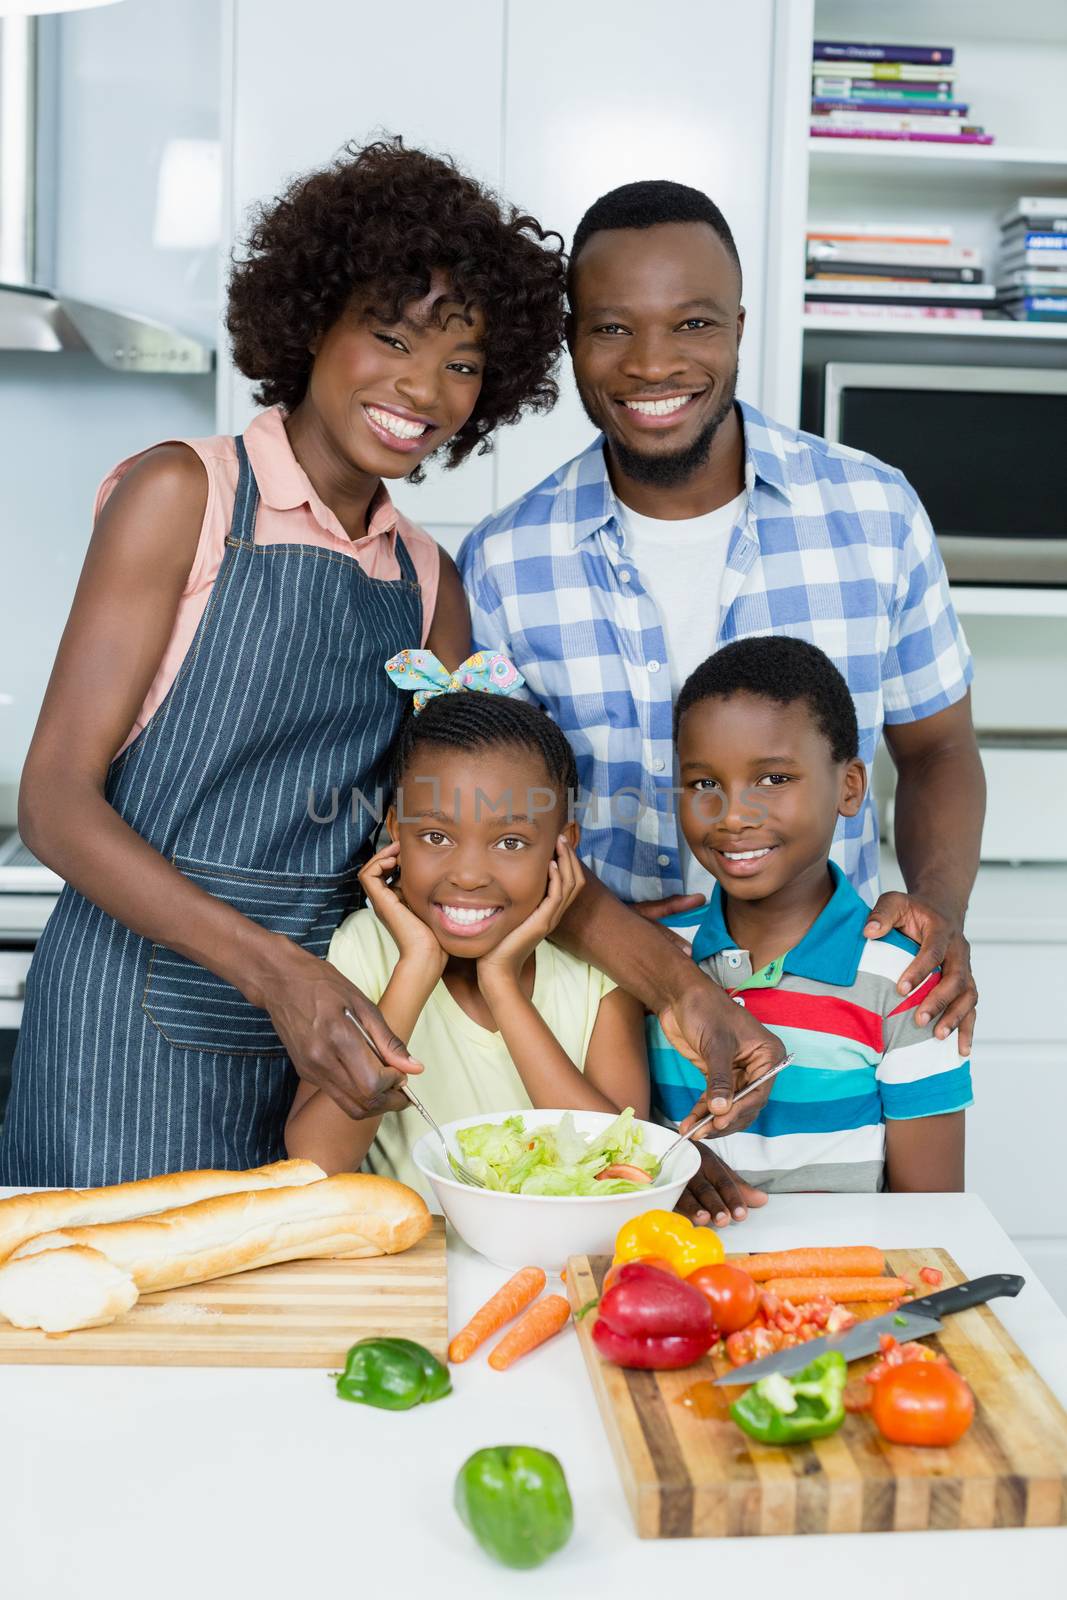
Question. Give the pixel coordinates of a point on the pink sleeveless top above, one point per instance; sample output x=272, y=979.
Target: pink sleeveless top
x=290, y=512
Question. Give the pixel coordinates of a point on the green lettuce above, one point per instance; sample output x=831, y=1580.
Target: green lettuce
x=556, y=1161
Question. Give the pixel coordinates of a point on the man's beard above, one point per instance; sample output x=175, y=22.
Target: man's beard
x=667, y=471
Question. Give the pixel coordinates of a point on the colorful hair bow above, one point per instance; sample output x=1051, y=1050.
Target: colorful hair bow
x=485, y=672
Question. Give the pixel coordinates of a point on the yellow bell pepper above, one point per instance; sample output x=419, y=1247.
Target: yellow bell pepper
x=671, y=1237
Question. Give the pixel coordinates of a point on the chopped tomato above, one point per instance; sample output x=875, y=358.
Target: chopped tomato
x=857, y=1397
x=840, y=1320
x=752, y=1343
x=931, y=1275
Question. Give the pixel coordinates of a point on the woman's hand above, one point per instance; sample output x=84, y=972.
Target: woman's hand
x=566, y=879
x=307, y=999
x=415, y=939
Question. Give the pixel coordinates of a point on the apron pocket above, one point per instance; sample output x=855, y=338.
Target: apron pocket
x=195, y=1010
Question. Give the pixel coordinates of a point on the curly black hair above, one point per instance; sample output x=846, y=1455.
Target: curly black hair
x=377, y=223
x=473, y=720
x=645, y=205
x=782, y=669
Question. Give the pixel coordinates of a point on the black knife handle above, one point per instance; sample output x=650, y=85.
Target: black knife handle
x=973, y=1293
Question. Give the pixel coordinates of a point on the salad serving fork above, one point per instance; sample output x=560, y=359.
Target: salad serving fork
x=456, y=1166
x=683, y=1138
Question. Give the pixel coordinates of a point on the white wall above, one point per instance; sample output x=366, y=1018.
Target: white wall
x=553, y=103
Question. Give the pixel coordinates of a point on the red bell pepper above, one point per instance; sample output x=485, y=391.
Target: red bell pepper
x=650, y=1319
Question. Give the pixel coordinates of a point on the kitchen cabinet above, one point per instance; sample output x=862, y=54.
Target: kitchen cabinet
x=553, y=104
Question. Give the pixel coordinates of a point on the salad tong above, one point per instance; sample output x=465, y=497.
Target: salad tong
x=456, y=1166
x=683, y=1138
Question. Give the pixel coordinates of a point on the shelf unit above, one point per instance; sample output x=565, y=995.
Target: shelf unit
x=977, y=601
x=821, y=322
x=1025, y=165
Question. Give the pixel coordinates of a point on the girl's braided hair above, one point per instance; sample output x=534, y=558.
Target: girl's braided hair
x=474, y=721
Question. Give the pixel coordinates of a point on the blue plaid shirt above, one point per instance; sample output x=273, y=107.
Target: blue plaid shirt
x=834, y=547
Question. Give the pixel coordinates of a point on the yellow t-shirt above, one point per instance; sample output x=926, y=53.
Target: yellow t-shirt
x=467, y=1067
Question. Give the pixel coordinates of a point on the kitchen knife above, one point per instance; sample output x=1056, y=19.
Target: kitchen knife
x=917, y=1320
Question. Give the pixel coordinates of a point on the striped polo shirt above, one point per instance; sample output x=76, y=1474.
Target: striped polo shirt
x=860, y=1058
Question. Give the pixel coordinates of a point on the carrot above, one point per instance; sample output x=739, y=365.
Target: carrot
x=845, y=1289
x=542, y=1320
x=835, y=1261
x=514, y=1297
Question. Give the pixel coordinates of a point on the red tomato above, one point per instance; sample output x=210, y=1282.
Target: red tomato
x=623, y=1169
x=923, y=1403
x=931, y=1275
x=733, y=1296
x=660, y=1263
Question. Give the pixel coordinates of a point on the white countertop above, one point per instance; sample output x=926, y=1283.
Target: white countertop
x=118, y=1482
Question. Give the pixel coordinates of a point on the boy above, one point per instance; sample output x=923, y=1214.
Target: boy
x=768, y=760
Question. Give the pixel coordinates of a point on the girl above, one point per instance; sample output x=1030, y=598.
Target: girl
x=453, y=944
x=219, y=679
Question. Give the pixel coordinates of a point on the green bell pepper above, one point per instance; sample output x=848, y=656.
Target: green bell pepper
x=810, y=1405
x=394, y=1374
x=515, y=1501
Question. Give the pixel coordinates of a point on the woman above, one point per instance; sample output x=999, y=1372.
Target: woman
x=220, y=675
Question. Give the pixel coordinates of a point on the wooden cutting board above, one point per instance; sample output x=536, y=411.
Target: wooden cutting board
x=298, y=1314
x=687, y=1473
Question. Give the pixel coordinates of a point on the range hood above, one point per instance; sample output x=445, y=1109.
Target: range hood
x=33, y=317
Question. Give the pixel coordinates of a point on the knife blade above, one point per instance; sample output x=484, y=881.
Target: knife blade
x=918, y=1321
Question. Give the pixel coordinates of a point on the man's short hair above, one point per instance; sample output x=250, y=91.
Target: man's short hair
x=646, y=205
x=783, y=669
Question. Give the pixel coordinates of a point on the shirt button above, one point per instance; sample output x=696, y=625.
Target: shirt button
x=653, y=666
x=658, y=765
x=738, y=1000
x=663, y=861
x=625, y=575
x=733, y=961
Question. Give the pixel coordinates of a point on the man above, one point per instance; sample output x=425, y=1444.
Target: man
x=693, y=520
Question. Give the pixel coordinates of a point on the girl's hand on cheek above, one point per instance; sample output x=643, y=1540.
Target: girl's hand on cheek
x=566, y=880
x=415, y=939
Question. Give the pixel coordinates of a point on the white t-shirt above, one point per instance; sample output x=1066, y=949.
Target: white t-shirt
x=681, y=565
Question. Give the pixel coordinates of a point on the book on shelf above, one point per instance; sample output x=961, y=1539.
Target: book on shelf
x=892, y=313
x=1047, y=210
x=928, y=233
x=894, y=124
x=856, y=289
x=914, y=138
x=1021, y=260
x=887, y=107
x=1038, y=278
x=836, y=50
x=1038, y=308
x=888, y=251
x=870, y=89
x=890, y=272
x=1050, y=234
x=895, y=73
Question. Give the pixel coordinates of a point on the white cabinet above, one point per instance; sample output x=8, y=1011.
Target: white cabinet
x=1017, y=925
x=551, y=103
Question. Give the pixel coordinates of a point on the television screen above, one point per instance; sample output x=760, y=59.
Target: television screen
x=983, y=463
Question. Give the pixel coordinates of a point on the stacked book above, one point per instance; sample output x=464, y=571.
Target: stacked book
x=889, y=91
x=893, y=270
x=1032, y=266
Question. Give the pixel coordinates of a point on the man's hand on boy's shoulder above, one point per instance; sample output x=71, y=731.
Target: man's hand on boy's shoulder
x=939, y=935
x=716, y=1194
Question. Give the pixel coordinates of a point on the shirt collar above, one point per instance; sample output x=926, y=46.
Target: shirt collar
x=829, y=952
x=585, y=501
x=285, y=486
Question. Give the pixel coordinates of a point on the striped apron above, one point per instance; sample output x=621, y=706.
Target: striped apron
x=258, y=778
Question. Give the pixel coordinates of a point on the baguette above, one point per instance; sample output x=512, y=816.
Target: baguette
x=347, y=1215
x=64, y=1289
x=25, y=1215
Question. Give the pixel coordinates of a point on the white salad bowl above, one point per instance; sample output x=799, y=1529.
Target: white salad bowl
x=541, y=1230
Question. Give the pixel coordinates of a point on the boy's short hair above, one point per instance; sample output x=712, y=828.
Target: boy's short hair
x=782, y=669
